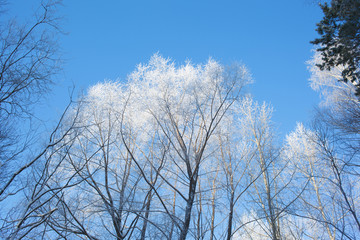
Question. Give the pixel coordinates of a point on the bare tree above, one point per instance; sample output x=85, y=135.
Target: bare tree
x=336, y=137
x=24, y=218
x=28, y=61
x=343, y=163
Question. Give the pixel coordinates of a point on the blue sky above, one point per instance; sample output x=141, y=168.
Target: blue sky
x=107, y=39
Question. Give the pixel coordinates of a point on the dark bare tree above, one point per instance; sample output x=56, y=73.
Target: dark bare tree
x=28, y=62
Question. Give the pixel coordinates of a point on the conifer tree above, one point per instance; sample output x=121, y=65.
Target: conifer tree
x=339, y=41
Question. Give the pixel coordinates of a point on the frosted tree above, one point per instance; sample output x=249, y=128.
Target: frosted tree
x=326, y=158
x=312, y=181
x=140, y=162
x=188, y=103
x=235, y=154
x=268, y=178
x=329, y=83
x=109, y=199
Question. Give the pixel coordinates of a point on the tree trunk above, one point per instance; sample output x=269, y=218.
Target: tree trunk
x=189, y=205
x=231, y=214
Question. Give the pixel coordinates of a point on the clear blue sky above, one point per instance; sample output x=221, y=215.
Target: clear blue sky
x=107, y=39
